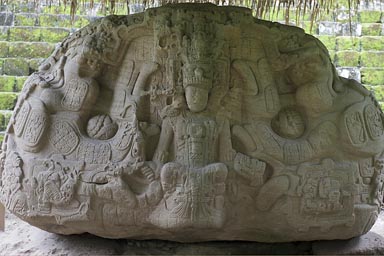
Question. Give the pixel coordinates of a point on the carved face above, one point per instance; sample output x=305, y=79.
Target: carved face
x=308, y=71
x=197, y=98
x=87, y=66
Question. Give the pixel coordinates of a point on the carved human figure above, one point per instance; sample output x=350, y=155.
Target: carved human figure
x=54, y=185
x=12, y=177
x=193, y=176
x=310, y=75
x=308, y=68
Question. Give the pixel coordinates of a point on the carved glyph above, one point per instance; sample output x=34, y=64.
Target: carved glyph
x=194, y=122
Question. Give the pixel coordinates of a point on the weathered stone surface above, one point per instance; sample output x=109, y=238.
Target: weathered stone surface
x=194, y=123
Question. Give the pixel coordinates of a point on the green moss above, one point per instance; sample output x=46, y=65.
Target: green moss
x=7, y=83
x=342, y=3
x=57, y=20
x=30, y=50
x=370, y=87
x=327, y=15
x=64, y=21
x=4, y=33
x=3, y=49
x=19, y=49
x=370, y=16
x=20, y=80
x=344, y=16
x=306, y=25
x=348, y=43
x=16, y=67
x=121, y=8
x=371, y=29
x=332, y=55
x=372, y=59
x=4, y=119
x=56, y=9
x=378, y=91
x=5, y=116
x=347, y=59
x=29, y=34
x=47, y=20
x=34, y=64
x=1, y=66
x=7, y=100
x=54, y=35
x=374, y=76
x=328, y=41
x=80, y=21
x=22, y=6
x=372, y=43
x=25, y=19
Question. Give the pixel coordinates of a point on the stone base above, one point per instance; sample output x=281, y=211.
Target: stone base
x=21, y=238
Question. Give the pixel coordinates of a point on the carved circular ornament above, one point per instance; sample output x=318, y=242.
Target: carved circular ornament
x=289, y=123
x=193, y=122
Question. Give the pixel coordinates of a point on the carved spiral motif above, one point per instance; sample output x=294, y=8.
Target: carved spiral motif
x=101, y=127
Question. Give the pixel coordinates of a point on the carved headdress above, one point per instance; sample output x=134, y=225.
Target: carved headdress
x=197, y=58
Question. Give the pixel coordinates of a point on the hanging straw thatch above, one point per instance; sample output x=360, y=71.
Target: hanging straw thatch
x=263, y=9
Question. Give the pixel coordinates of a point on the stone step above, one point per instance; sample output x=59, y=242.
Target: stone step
x=362, y=59
x=34, y=34
x=372, y=59
x=44, y=20
x=26, y=49
x=8, y=100
x=19, y=66
x=5, y=115
x=12, y=83
x=372, y=29
x=378, y=91
x=373, y=76
x=57, y=7
x=372, y=43
x=347, y=43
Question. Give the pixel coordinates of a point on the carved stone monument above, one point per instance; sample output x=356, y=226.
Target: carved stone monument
x=194, y=122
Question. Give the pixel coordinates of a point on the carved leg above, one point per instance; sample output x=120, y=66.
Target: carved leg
x=170, y=176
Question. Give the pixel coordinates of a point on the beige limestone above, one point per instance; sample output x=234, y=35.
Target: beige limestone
x=194, y=122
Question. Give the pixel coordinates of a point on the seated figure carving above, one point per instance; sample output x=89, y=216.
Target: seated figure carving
x=193, y=180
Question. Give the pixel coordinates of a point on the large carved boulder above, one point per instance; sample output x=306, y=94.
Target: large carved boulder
x=191, y=123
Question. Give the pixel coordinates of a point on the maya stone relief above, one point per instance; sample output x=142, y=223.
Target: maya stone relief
x=192, y=123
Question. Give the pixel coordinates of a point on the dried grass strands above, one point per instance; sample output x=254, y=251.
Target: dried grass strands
x=266, y=9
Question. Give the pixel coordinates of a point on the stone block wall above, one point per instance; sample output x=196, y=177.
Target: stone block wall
x=28, y=35
x=357, y=52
